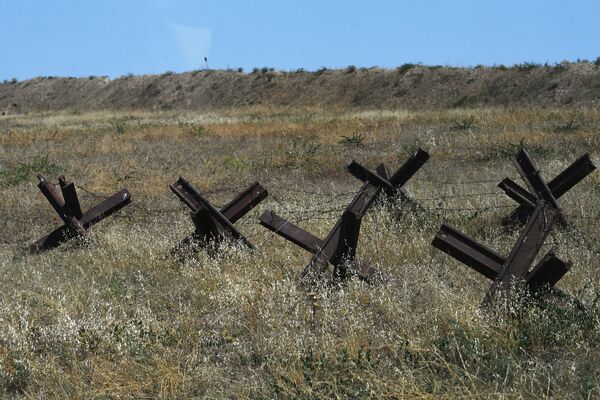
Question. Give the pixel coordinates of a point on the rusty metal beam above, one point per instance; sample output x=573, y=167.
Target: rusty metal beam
x=72, y=208
x=409, y=168
x=319, y=261
x=561, y=184
x=571, y=176
x=365, y=175
x=225, y=224
x=53, y=196
x=357, y=207
x=521, y=257
x=547, y=272
x=348, y=238
x=68, y=208
x=52, y=240
x=339, y=247
x=347, y=243
x=516, y=268
x=291, y=232
x=212, y=223
x=468, y=251
x=382, y=171
x=195, y=201
x=206, y=227
x=534, y=180
x=187, y=193
x=391, y=185
x=517, y=193
x=244, y=202
x=89, y=218
x=488, y=263
x=233, y=211
x=107, y=207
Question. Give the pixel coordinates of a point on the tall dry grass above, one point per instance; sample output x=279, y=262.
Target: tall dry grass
x=119, y=319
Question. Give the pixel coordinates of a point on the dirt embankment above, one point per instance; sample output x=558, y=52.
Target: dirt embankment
x=407, y=87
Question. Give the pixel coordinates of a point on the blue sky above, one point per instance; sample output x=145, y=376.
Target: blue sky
x=118, y=37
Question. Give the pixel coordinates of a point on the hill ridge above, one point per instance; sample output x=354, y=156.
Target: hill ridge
x=407, y=87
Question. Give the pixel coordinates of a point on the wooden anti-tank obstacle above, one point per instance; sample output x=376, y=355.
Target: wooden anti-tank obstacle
x=66, y=204
x=550, y=191
x=339, y=247
x=214, y=225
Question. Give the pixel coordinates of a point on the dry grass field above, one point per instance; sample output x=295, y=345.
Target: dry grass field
x=119, y=319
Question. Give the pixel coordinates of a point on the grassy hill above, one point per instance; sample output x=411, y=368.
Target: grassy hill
x=407, y=87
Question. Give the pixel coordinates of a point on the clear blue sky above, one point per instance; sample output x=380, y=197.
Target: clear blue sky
x=117, y=37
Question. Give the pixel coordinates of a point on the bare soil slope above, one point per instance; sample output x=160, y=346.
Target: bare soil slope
x=409, y=87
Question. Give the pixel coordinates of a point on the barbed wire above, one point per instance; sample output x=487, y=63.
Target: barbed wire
x=462, y=182
x=328, y=208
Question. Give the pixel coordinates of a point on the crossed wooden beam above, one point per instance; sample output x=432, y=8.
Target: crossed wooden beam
x=66, y=204
x=214, y=225
x=538, y=187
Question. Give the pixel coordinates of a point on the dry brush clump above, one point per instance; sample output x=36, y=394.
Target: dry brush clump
x=119, y=318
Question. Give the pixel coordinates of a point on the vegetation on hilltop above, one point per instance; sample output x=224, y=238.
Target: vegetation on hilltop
x=410, y=86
